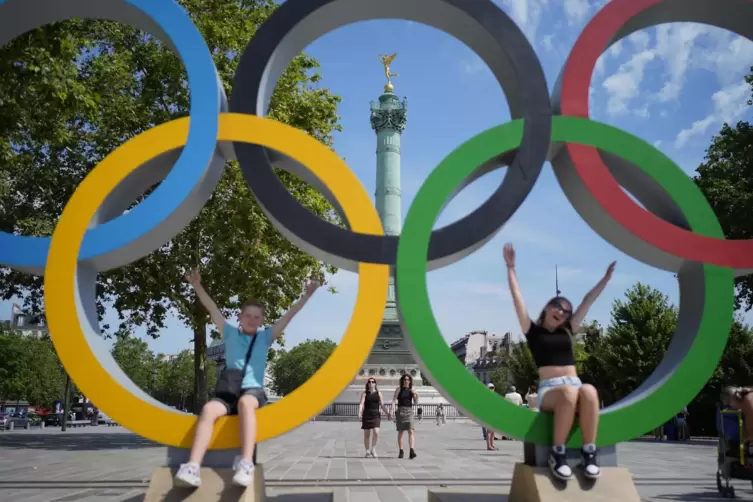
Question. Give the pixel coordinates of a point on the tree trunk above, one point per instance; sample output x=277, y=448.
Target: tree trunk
x=66, y=401
x=200, y=366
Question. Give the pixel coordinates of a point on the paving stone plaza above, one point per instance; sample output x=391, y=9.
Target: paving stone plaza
x=111, y=464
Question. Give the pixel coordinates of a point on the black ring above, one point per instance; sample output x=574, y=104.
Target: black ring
x=483, y=27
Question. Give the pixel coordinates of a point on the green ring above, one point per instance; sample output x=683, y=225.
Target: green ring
x=450, y=376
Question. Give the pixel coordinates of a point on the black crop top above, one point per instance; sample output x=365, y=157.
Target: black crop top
x=405, y=398
x=550, y=348
x=372, y=401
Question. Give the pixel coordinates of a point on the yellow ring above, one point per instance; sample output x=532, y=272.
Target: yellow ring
x=171, y=427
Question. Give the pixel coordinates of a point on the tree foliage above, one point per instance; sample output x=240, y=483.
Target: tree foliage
x=522, y=367
x=726, y=179
x=500, y=377
x=170, y=379
x=30, y=370
x=291, y=369
x=71, y=92
x=633, y=345
x=137, y=361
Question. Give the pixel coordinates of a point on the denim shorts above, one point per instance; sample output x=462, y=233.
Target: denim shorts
x=551, y=383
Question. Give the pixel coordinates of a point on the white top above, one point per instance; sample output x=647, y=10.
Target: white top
x=532, y=400
x=514, y=398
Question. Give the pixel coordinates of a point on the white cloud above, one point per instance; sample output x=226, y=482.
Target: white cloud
x=616, y=49
x=729, y=56
x=642, y=112
x=674, y=44
x=657, y=143
x=527, y=14
x=546, y=42
x=624, y=85
x=640, y=40
x=576, y=11
x=729, y=104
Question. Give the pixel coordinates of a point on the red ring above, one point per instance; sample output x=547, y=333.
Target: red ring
x=576, y=80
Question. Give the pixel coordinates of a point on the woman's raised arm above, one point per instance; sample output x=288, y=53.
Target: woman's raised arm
x=517, y=296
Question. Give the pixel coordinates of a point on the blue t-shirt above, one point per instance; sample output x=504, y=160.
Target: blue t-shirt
x=236, y=348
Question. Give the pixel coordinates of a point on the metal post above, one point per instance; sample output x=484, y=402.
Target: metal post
x=66, y=401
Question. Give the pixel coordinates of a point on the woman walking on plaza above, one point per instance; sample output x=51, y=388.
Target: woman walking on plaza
x=405, y=397
x=240, y=387
x=440, y=414
x=368, y=413
x=550, y=339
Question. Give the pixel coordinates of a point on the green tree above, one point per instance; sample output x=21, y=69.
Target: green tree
x=46, y=375
x=726, y=179
x=634, y=344
x=29, y=370
x=137, y=361
x=72, y=92
x=14, y=366
x=291, y=369
x=500, y=377
x=180, y=377
x=522, y=367
x=735, y=367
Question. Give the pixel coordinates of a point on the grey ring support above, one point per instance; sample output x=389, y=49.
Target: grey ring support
x=483, y=27
x=733, y=15
x=689, y=275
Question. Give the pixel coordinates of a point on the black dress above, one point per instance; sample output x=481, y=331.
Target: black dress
x=371, y=418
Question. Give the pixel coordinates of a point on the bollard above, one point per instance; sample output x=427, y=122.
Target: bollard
x=11, y=426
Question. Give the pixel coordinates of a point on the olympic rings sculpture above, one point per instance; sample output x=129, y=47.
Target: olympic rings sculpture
x=675, y=230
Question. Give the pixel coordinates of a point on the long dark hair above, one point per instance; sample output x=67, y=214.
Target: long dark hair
x=376, y=387
x=410, y=380
x=557, y=299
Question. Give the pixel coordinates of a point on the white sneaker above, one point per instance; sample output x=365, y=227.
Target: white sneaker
x=368, y=454
x=373, y=453
x=188, y=476
x=244, y=473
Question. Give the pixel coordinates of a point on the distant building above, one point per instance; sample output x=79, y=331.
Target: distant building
x=477, y=344
x=25, y=324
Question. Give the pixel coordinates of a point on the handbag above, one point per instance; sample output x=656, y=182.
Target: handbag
x=230, y=381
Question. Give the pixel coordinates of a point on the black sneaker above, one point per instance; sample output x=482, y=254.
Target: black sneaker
x=590, y=464
x=400, y=455
x=412, y=454
x=558, y=465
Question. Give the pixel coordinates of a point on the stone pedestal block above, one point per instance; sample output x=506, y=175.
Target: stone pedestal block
x=216, y=485
x=536, y=484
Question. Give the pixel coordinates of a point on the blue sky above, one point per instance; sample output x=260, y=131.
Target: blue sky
x=672, y=86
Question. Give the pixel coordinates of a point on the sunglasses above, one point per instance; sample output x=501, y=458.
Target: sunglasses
x=557, y=305
x=372, y=381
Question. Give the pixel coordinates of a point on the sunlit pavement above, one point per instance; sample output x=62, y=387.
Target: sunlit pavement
x=111, y=464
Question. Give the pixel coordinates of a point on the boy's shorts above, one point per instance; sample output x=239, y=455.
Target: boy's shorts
x=231, y=401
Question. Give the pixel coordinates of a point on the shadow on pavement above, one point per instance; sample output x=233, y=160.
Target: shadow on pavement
x=691, y=442
x=468, y=497
x=75, y=442
x=692, y=497
x=292, y=497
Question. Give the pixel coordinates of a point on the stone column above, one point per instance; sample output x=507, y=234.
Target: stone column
x=388, y=119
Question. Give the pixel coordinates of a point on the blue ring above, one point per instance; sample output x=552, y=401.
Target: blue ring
x=206, y=96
